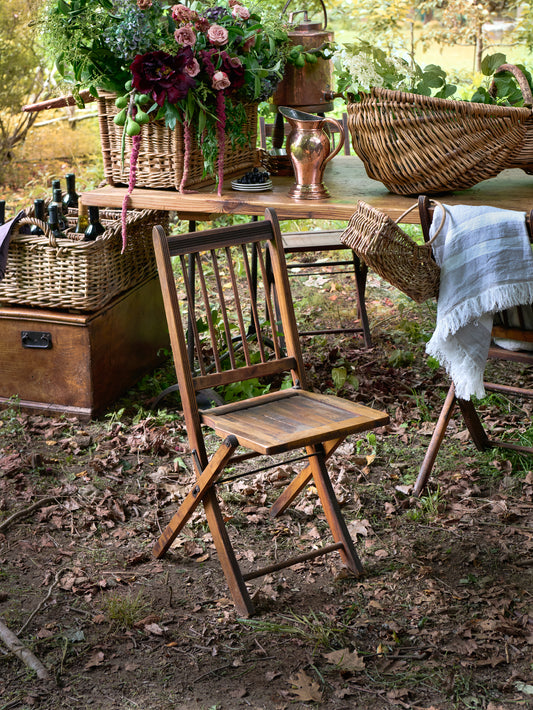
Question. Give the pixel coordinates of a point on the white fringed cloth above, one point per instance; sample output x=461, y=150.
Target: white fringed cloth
x=486, y=266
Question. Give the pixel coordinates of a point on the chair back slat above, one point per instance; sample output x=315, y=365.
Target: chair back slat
x=251, y=282
x=225, y=310
x=238, y=309
x=270, y=307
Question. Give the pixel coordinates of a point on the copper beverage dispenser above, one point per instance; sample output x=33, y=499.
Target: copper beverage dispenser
x=305, y=88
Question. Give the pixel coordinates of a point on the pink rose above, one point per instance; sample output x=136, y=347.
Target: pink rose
x=144, y=4
x=220, y=80
x=234, y=62
x=192, y=68
x=217, y=35
x=181, y=13
x=240, y=12
x=185, y=36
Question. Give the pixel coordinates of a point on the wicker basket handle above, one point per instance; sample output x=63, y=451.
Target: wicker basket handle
x=37, y=222
x=441, y=225
x=521, y=80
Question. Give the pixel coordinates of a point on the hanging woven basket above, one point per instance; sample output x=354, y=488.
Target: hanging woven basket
x=390, y=252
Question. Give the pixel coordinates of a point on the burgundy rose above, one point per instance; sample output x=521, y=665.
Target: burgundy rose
x=163, y=76
x=233, y=67
x=202, y=25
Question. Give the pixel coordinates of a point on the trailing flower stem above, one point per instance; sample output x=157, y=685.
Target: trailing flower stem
x=135, y=145
x=187, y=140
x=221, y=128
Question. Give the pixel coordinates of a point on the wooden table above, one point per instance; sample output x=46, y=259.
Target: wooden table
x=347, y=182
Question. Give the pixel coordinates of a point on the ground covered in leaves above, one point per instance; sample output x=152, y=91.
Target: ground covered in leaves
x=442, y=617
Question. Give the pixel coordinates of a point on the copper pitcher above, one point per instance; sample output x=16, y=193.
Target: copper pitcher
x=309, y=148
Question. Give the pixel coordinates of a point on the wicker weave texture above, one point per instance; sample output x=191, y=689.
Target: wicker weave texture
x=391, y=253
x=76, y=275
x=161, y=154
x=419, y=144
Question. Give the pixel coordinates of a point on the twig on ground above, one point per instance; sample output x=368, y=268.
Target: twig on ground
x=43, y=601
x=19, y=649
x=25, y=512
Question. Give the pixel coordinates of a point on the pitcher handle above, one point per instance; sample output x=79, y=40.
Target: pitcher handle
x=341, y=137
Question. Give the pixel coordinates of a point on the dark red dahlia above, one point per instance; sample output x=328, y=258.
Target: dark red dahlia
x=163, y=75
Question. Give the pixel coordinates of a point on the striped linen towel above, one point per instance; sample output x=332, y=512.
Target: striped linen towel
x=486, y=266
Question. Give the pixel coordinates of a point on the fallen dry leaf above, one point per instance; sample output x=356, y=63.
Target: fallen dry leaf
x=305, y=688
x=346, y=660
x=95, y=660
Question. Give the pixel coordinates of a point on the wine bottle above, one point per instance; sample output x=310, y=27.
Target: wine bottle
x=83, y=219
x=2, y=211
x=58, y=202
x=70, y=198
x=38, y=208
x=56, y=183
x=53, y=223
x=95, y=227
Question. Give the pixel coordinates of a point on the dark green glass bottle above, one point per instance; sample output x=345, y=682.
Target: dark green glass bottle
x=70, y=198
x=95, y=227
x=38, y=208
x=53, y=224
x=58, y=202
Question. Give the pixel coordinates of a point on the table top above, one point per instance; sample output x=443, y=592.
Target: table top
x=347, y=182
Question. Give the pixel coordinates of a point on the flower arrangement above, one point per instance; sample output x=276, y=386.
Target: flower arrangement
x=195, y=63
x=188, y=63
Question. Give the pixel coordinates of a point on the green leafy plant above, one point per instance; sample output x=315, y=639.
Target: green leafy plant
x=362, y=66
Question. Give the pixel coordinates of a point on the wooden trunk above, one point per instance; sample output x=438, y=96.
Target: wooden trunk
x=58, y=362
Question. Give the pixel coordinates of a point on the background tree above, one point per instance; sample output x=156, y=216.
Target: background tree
x=22, y=78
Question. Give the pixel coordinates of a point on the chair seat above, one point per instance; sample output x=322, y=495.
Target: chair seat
x=286, y=420
x=323, y=240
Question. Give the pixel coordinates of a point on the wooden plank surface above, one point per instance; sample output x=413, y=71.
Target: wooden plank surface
x=347, y=182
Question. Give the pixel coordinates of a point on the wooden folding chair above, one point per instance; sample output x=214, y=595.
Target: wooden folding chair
x=520, y=331
x=230, y=334
x=324, y=240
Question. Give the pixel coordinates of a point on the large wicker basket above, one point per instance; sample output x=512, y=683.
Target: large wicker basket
x=391, y=253
x=80, y=276
x=420, y=144
x=161, y=153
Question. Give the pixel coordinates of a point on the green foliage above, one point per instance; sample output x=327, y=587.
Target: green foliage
x=362, y=66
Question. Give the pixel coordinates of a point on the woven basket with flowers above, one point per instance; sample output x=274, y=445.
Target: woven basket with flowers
x=178, y=84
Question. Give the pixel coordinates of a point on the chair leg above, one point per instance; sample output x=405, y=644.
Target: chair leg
x=203, y=484
x=203, y=492
x=300, y=481
x=361, y=271
x=435, y=443
x=332, y=509
x=226, y=556
x=474, y=425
